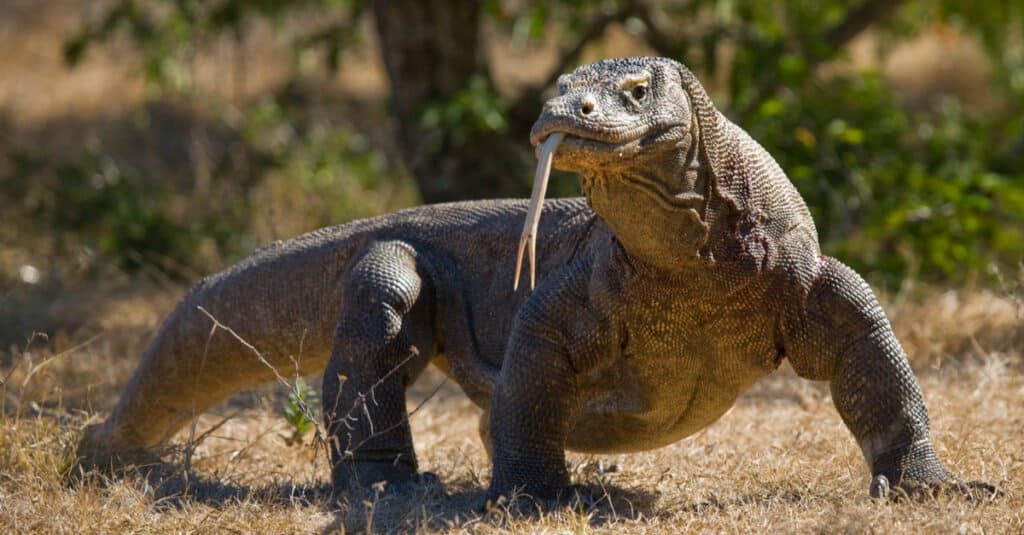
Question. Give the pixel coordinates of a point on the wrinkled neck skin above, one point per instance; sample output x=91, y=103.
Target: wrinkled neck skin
x=655, y=204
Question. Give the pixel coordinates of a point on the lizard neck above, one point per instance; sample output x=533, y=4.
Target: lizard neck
x=655, y=208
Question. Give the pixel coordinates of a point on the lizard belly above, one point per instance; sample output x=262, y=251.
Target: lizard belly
x=657, y=395
x=643, y=415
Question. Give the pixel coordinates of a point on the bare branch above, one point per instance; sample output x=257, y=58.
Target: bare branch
x=858, y=20
x=525, y=106
x=362, y=401
x=302, y=403
x=411, y=413
x=595, y=29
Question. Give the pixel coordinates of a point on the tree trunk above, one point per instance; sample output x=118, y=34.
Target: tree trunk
x=431, y=49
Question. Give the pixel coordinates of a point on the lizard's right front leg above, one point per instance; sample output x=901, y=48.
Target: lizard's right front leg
x=534, y=405
x=557, y=335
x=382, y=342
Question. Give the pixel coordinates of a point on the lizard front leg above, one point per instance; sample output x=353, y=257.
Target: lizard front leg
x=382, y=342
x=557, y=335
x=534, y=405
x=841, y=335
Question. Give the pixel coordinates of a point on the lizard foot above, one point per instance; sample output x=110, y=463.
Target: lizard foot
x=574, y=497
x=388, y=478
x=915, y=472
x=917, y=490
x=97, y=452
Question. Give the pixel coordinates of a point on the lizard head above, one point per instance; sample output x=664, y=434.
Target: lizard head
x=646, y=140
x=617, y=111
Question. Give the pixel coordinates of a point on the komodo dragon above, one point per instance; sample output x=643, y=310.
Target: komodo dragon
x=690, y=270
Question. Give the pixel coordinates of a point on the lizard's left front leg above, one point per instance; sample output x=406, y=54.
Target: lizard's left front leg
x=842, y=335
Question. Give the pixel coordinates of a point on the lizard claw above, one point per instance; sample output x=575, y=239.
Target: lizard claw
x=911, y=489
x=879, y=487
x=976, y=490
x=915, y=472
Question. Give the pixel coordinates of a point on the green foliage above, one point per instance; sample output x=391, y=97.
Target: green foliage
x=332, y=171
x=932, y=190
x=328, y=167
x=297, y=411
x=93, y=200
x=99, y=199
x=168, y=32
x=892, y=192
x=476, y=109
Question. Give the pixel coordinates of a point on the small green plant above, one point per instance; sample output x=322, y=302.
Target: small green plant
x=298, y=412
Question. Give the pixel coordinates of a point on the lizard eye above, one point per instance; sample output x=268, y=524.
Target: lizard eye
x=639, y=92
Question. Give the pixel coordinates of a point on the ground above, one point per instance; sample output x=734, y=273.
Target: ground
x=780, y=459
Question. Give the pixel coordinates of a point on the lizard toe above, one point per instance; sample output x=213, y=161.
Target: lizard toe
x=914, y=489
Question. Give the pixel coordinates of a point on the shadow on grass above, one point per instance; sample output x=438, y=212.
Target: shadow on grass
x=428, y=506
x=462, y=505
x=171, y=486
x=766, y=499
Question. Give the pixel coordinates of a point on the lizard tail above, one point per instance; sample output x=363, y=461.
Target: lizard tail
x=234, y=330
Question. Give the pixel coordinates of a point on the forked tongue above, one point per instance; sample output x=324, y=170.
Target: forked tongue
x=528, y=240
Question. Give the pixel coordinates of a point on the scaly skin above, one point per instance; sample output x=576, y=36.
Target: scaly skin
x=694, y=272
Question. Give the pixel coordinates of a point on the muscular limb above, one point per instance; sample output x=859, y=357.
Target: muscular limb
x=385, y=315
x=533, y=409
x=557, y=335
x=842, y=335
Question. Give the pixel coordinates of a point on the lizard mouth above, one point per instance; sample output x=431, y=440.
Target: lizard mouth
x=598, y=140
x=580, y=147
x=578, y=144
x=576, y=150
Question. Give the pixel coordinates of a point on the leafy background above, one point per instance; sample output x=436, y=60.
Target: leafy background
x=912, y=172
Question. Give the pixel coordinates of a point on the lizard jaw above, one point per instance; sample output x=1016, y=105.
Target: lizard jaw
x=578, y=149
x=606, y=139
x=569, y=148
x=580, y=152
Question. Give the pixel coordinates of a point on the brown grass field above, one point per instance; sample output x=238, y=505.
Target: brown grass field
x=779, y=461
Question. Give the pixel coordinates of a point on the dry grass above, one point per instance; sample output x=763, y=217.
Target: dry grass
x=780, y=460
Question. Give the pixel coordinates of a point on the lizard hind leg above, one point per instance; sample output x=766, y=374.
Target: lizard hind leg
x=383, y=340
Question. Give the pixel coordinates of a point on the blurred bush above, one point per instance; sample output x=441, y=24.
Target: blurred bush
x=286, y=171
x=91, y=196
x=931, y=190
x=900, y=194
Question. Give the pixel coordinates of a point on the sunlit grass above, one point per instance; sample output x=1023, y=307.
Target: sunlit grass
x=779, y=460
